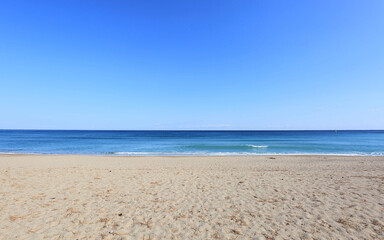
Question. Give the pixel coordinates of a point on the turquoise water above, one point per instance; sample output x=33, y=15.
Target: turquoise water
x=192, y=142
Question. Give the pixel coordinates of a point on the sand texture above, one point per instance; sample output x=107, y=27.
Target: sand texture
x=231, y=197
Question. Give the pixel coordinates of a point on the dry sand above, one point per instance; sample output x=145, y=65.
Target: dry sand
x=231, y=197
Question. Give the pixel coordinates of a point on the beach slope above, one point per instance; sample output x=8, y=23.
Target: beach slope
x=191, y=197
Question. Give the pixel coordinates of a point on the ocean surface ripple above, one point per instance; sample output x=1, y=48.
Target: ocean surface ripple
x=191, y=142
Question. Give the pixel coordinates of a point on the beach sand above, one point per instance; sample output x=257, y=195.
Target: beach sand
x=191, y=197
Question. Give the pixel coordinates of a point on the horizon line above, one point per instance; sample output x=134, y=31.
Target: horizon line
x=191, y=130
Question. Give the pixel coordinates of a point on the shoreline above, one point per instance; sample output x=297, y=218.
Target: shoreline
x=195, y=155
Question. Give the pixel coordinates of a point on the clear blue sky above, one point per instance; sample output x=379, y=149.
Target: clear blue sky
x=192, y=64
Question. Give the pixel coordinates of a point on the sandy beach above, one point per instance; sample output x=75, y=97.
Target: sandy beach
x=191, y=197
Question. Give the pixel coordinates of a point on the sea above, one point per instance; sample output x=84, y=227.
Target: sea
x=366, y=143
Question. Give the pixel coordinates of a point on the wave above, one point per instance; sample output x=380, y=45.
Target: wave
x=257, y=146
x=223, y=147
x=238, y=153
x=198, y=153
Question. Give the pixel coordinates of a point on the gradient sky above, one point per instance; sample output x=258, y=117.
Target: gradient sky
x=192, y=64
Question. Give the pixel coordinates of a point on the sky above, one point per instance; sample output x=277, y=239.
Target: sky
x=188, y=65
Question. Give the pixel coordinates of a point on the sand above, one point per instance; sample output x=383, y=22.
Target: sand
x=229, y=197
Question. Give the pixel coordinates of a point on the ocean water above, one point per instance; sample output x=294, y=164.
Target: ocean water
x=192, y=142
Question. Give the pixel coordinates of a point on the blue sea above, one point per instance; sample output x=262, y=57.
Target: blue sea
x=191, y=142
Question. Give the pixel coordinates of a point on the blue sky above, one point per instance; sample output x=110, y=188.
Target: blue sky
x=192, y=64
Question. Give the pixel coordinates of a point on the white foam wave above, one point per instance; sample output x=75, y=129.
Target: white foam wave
x=257, y=146
x=240, y=153
x=202, y=153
